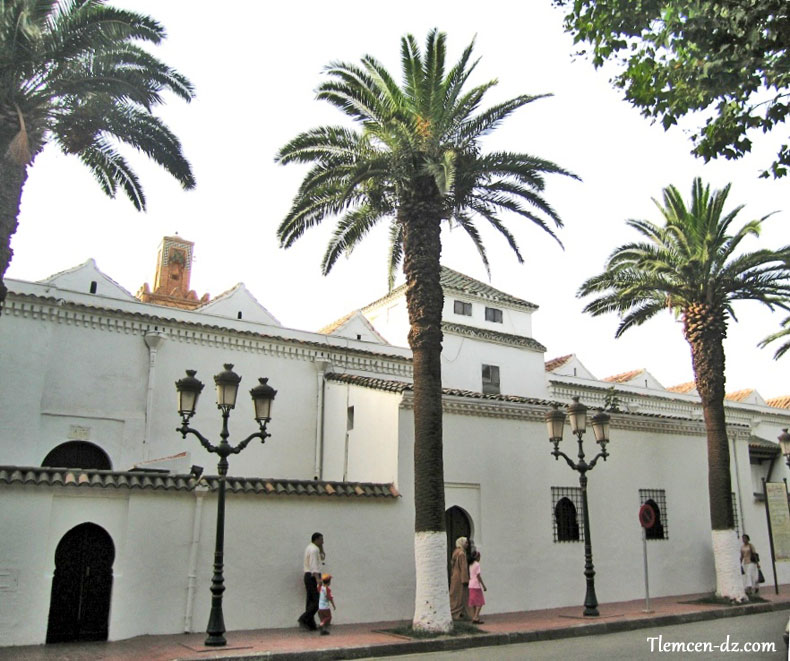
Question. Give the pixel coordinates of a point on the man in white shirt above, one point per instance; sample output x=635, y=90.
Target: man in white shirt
x=313, y=559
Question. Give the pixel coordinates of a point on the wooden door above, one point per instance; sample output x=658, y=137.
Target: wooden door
x=79, y=607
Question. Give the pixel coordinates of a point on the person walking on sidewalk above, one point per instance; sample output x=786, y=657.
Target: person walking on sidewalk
x=459, y=579
x=313, y=559
x=750, y=566
x=476, y=589
x=324, y=599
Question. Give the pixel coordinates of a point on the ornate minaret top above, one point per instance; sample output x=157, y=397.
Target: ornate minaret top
x=173, y=271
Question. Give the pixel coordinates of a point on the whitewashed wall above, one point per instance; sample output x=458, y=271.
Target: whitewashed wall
x=520, y=369
x=369, y=451
x=508, y=460
x=264, y=543
x=94, y=373
x=514, y=321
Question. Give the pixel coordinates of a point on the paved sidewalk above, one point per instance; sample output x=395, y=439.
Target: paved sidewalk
x=355, y=641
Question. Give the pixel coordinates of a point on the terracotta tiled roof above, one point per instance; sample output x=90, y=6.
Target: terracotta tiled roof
x=554, y=363
x=403, y=386
x=687, y=387
x=459, y=282
x=739, y=395
x=779, y=402
x=453, y=281
x=625, y=377
x=73, y=477
x=759, y=448
x=390, y=385
x=331, y=328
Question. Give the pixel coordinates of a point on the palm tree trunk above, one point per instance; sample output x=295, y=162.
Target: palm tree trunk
x=420, y=214
x=13, y=174
x=12, y=179
x=705, y=333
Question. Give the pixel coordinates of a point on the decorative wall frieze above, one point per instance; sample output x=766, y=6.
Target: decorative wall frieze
x=666, y=404
x=492, y=336
x=58, y=311
x=535, y=411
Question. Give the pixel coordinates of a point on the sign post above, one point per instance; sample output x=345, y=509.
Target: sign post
x=647, y=519
x=778, y=516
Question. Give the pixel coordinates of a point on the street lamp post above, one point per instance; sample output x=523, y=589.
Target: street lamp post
x=555, y=422
x=227, y=383
x=784, y=443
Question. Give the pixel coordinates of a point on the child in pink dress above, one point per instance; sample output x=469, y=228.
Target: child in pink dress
x=476, y=588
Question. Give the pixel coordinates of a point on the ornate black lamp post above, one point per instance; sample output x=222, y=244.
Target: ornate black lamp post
x=555, y=421
x=227, y=383
x=784, y=442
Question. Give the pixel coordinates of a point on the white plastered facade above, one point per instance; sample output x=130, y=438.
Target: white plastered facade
x=100, y=368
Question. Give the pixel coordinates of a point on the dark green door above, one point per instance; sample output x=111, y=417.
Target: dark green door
x=79, y=608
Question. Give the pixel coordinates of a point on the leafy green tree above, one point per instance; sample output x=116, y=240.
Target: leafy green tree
x=692, y=265
x=727, y=59
x=72, y=74
x=414, y=160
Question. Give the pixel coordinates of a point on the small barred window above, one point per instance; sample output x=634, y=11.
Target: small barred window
x=567, y=514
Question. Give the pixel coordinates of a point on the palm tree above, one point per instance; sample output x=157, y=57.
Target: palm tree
x=71, y=74
x=692, y=266
x=784, y=333
x=414, y=160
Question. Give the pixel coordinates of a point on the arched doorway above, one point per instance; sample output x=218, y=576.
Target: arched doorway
x=458, y=524
x=79, y=608
x=77, y=454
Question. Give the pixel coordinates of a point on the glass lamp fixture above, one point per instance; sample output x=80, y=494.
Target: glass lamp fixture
x=577, y=412
x=227, y=383
x=555, y=424
x=784, y=442
x=262, y=397
x=600, y=425
x=188, y=389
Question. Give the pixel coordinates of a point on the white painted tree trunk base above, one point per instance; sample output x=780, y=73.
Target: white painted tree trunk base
x=727, y=558
x=432, y=598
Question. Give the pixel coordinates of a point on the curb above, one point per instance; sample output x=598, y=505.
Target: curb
x=493, y=639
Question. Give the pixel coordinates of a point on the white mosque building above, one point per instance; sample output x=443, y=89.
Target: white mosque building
x=102, y=502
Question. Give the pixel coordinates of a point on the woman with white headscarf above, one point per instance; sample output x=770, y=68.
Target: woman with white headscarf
x=459, y=579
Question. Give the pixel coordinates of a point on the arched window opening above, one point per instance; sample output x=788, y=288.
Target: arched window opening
x=78, y=454
x=566, y=520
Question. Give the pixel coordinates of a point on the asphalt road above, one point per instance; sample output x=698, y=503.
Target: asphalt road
x=670, y=643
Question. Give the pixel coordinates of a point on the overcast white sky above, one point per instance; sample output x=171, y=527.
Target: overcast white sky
x=255, y=66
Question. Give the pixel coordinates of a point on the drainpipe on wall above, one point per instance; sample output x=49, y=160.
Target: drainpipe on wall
x=318, y=465
x=200, y=492
x=348, y=431
x=153, y=340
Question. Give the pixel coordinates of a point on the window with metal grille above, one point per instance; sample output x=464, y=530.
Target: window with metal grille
x=490, y=379
x=461, y=307
x=494, y=314
x=657, y=500
x=567, y=513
